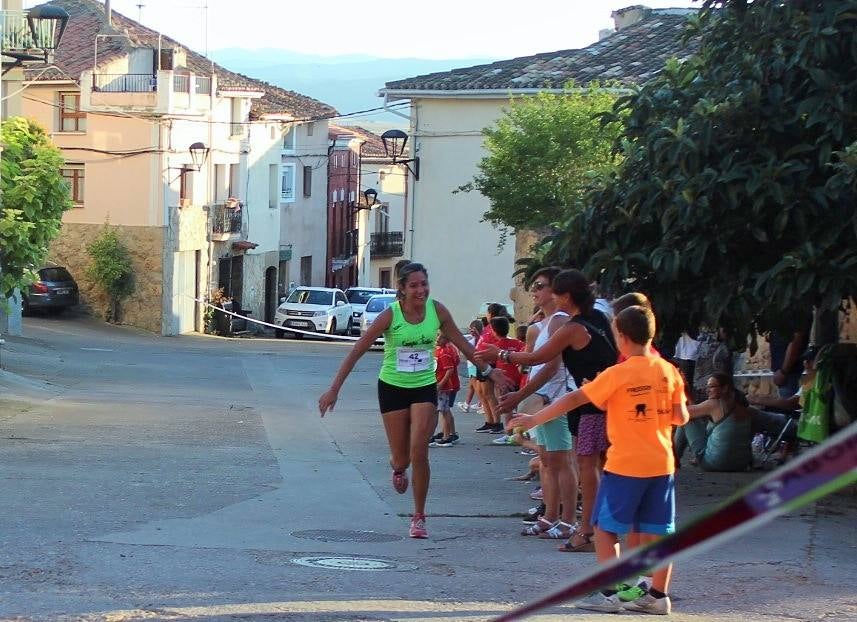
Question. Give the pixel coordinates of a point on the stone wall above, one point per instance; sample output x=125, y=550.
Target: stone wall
x=143, y=308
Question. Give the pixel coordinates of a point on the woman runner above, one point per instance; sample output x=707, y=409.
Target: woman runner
x=407, y=390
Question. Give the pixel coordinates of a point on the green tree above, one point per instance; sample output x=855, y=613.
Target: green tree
x=34, y=196
x=735, y=203
x=541, y=154
x=111, y=270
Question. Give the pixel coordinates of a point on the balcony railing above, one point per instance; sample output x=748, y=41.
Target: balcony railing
x=387, y=244
x=181, y=84
x=225, y=218
x=203, y=85
x=15, y=33
x=124, y=82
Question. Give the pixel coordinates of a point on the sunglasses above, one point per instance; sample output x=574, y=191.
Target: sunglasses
x=538, y=286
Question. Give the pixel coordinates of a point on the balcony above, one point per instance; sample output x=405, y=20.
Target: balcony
x=387, y=244
x=163, y=92
x=225, y=220
x=15, y=35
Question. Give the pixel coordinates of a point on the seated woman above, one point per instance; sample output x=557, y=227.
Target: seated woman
x=720, y=431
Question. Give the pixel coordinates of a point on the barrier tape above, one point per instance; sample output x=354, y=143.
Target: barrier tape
x=815, y=474
x=277, y=327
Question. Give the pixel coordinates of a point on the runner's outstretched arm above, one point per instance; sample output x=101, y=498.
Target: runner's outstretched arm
x=328, y=399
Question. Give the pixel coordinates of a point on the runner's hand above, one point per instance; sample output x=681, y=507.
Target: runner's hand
x=506, y=403
x=327, y=401
x=487, y=355
x=521, y=421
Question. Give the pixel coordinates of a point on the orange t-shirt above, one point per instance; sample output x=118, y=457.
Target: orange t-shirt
x=638, y=396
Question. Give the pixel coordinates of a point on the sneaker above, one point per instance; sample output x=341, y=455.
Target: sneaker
x=598, y=601
x=436, y=437
x=528, y=452
x=497, y=428
x=534, y=513
x=480, y=410
x=504, y=440
x=400, y=482
x=629, y=593
x=484, y=428
x=449, y=441
x=463, y=407
x=652, y=605
x=418, y=526
x=537, y=495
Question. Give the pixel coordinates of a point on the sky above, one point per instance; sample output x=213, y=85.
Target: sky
x=437, y=29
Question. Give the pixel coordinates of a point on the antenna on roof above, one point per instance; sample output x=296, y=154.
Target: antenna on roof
x=140, y=6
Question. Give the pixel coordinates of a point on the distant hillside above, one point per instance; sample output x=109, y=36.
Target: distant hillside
x=349, y=83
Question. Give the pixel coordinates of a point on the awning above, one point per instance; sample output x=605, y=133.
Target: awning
x=243, y=245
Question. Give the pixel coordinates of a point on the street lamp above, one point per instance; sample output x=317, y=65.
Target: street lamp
x=46, y=24
x=198, y=155
x=394, y=147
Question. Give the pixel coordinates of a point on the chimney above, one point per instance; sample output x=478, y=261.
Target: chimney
x=108, y=13
x=629, y=16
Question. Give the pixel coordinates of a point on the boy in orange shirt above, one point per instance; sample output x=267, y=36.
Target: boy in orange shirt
x=644, y=397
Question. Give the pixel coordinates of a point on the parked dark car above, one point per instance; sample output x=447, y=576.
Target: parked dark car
x=54, y=292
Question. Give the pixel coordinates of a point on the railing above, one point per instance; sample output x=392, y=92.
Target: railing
x=225, y=218
x=387, y=244
x=15, y=32
x=181, y=84
x=203, y=85
x=124, y=82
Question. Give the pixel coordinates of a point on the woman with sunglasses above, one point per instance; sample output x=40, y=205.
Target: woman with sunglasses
x=407, y=389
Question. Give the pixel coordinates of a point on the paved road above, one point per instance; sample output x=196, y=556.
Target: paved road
x=181, y=478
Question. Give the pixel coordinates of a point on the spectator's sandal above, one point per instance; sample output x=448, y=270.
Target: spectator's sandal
x=579, y=542
x=538, y=527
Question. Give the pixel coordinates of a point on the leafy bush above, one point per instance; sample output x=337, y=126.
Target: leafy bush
x=111, y=270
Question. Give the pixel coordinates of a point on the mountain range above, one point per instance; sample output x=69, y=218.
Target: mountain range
x=349, y=83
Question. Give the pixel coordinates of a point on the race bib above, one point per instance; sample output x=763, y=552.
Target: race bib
x=412, y=359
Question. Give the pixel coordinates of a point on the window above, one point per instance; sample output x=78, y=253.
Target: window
x=340, y=297
x=74, y=176
x=236, y=128
x=186, y=188
x=351, y=196
x=383, y=280
x=289, y=139
x=307, y=181
x=382, y=218
x=310, y=128
x=287, y=183
x=71, y=118
x=274, y=185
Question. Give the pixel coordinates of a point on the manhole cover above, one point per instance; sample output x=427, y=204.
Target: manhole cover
x=344, y=535
x=345, y=563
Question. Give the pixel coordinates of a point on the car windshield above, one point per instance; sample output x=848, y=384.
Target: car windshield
x=379, y=303
x=359, y=296
x=311, y=297
x=55, y=274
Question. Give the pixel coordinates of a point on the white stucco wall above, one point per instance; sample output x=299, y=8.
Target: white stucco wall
x=446, y=232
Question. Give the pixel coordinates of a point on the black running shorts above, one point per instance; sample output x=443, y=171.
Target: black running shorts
x=391, y=397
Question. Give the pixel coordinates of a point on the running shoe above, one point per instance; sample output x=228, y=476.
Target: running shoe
x=400, y=482
x=652, y=605
x=463, y=407
x=629, y=593
x=528, y=452
x=449, y=441
x=418, y=526
x=537, y=495
x=497, y=428
x=504, y=440
x=484, y=428
x=598, y=601
x=436, y=437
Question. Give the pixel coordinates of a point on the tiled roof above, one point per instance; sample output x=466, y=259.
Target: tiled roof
x=76, y=50
x=630, y=56
x=373, y=146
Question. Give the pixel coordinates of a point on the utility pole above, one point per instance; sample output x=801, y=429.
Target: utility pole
x=140, y=6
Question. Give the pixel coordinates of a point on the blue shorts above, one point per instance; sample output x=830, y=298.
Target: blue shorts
x=641, y=504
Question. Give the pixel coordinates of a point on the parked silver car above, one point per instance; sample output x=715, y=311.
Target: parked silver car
x=358, y=297
x=374, y=306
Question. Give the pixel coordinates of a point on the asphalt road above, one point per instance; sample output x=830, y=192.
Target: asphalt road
x=149, y=478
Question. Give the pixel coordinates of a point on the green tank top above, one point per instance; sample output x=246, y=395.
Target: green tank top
x=409, y=349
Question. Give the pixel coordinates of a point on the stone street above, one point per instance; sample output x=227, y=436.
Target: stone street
x=191, y=478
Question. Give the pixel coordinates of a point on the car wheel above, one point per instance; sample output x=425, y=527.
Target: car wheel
x=25, y=306
x=279, y=333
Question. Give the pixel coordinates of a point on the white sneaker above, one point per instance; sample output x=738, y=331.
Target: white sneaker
x=596, y=601
x=652, y=605
x=464, y=407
